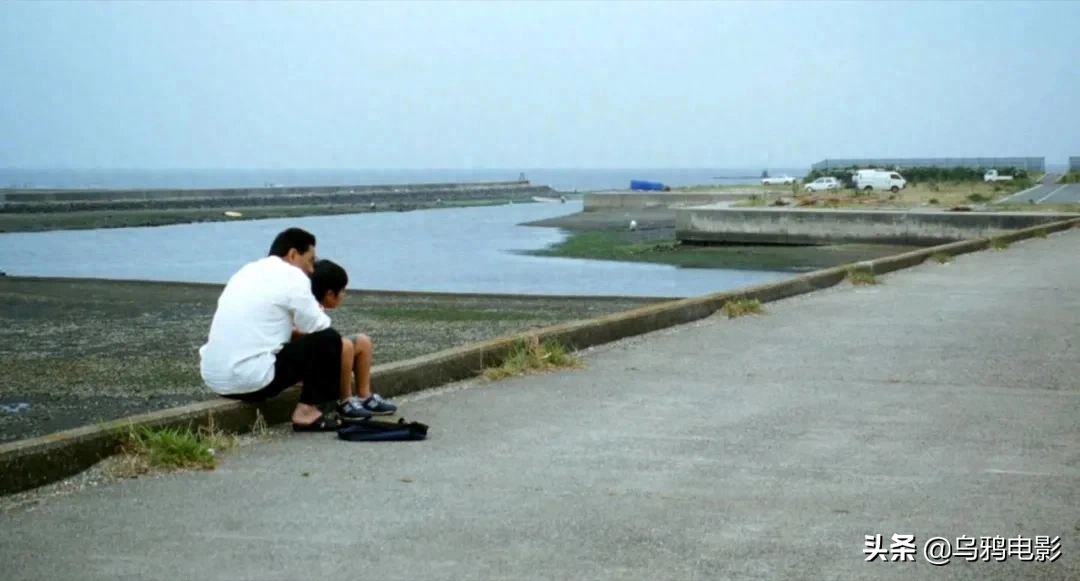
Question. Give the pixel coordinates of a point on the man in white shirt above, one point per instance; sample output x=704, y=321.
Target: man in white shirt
x=269, y=333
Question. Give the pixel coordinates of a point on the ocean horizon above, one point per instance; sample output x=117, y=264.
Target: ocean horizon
x=561, y=179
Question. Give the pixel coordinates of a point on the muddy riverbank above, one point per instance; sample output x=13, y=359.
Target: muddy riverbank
x=76, y=352
x=607, y=236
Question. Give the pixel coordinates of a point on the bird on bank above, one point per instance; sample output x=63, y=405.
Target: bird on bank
x=633, y=224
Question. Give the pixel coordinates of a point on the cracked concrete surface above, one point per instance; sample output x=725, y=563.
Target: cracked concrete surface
x=944, y=402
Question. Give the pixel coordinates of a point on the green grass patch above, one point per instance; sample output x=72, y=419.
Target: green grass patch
x=941, y=258
x=143, y=449
x=742, y=307
x=998, y=244
x=1041, y=233
x=533, y=356
x=862, y=278
x=752, y=202
x=447, y=314
x=619, y=245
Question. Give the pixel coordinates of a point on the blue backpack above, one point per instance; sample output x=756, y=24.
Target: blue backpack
x=372, y=430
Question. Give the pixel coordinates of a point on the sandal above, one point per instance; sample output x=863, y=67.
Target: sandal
x=320, y=425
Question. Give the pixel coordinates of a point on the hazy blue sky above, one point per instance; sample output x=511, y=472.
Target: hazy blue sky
x=522, y=84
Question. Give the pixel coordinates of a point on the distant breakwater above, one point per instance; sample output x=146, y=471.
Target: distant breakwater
x=19, y=201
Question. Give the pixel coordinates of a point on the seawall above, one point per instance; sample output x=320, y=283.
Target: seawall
x=608, y=201
x=36, y=201
x=706, y=224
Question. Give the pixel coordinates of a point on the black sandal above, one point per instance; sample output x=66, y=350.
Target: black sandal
x=320, y=425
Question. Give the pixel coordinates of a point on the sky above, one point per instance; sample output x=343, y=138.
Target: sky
x=555, y=84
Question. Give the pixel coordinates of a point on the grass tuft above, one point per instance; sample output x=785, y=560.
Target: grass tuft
x=260, y=428
x=862, y=277
x=533, y=356
x=754, y=200
x=998, y=244
x=942, y=258
x=741, y=307
x=143, y=449
x=1041, y=233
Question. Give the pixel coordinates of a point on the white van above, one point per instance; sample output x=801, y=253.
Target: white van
x=879, y=179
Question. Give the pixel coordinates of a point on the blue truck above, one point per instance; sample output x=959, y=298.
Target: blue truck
x=646, y=186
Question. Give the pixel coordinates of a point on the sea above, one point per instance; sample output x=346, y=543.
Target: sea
x=561, y=179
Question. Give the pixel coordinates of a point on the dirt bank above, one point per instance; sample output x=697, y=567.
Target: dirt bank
x=80, y=352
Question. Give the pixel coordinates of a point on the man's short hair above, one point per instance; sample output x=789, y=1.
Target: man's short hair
x=286, y=240
x=328, y=276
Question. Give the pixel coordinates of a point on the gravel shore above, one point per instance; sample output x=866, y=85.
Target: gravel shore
x=84, y=351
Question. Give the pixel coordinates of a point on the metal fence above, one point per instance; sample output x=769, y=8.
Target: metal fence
x=1074, y=164
x=1031, y=164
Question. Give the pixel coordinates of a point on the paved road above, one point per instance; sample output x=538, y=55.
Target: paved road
x=944, y=402
x=1047, y=194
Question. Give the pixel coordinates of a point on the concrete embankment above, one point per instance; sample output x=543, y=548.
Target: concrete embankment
x=40, y=201
x=610, y=201
x=705, y=224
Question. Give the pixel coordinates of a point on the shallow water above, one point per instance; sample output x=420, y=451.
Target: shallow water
x=451, y=250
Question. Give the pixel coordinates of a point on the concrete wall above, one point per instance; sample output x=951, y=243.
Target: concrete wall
x=18, y=201
x=805, y=226
x=608, y=201
x=1035, y=164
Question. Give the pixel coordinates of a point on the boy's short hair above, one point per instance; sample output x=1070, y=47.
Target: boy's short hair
x=328, y=276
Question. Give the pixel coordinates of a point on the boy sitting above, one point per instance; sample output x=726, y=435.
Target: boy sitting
x=328, y=281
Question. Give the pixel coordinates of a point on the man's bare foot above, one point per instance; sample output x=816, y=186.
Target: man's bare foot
x=305, y=414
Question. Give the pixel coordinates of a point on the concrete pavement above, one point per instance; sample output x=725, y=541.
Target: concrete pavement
x=942, y=403
x=1047, y=194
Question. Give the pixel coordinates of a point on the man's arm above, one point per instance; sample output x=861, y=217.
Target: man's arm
x=308, y=315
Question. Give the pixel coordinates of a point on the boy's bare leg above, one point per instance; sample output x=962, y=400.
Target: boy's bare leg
x=362, y=353
x=347, y=362
x=362, y=365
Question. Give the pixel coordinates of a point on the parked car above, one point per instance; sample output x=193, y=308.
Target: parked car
x=784, y=180
x=879, y=179
x=825, y=183
x=994, y=176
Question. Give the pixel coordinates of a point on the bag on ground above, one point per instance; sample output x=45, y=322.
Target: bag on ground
x=372, y=430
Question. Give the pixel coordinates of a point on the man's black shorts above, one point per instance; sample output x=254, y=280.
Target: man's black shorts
x=314, y=359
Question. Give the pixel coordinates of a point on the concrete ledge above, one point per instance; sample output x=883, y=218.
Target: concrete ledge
x=92, y=194
x=33, y=462
x=259, y=198
x=704, y=224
